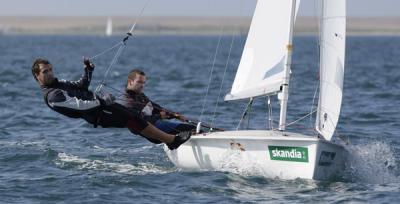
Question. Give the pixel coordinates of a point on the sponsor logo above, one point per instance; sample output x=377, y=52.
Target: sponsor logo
x=326, y=158
x=284, y=153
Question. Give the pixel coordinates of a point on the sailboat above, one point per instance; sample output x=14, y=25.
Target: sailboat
x=109, y=27
x=264, y=70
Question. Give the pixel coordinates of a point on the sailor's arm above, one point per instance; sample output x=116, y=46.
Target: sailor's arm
x=60, y=99
x=156, y=105
x=86, y=78
x=161, y=113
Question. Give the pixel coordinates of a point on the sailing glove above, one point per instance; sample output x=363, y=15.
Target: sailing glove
x=88, y=64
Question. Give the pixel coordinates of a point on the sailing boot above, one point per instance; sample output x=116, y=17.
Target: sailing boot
x=180, y=138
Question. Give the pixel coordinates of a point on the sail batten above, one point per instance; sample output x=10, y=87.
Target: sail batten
x=261, y=68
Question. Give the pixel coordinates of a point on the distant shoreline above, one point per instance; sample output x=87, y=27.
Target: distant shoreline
x=385, y=26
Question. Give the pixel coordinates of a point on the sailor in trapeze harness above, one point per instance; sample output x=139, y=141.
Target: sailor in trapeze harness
x=138, y=103
x=73, y=99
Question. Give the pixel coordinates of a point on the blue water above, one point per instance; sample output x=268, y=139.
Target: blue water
x=49, y=158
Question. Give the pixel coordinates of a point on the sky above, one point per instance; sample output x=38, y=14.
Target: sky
x=357, y=8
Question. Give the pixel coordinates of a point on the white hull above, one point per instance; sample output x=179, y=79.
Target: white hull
x=276, y=154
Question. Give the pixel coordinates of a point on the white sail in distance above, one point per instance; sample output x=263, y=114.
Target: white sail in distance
x=261, y=67
x=109, y=27
x=332, y=49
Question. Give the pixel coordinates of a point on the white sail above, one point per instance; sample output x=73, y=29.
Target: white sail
x=261, y=67
x=332, y=49
x=109, y=27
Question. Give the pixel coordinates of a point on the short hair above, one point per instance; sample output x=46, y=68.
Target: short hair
x=133, y=73
x=35, y=66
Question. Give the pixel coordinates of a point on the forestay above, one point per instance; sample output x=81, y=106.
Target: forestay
x=332, y=49
x=261, y=67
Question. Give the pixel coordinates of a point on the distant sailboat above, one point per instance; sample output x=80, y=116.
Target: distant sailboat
x=109, y=27
x=265, y=70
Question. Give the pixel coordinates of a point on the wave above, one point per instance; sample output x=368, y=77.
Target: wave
x=373, y=162
x=65, y=160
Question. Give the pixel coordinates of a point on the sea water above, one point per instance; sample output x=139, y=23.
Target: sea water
x=48, y=158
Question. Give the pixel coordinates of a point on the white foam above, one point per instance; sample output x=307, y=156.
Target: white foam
x=373, y=162
x=88, y=164
x=242, y=163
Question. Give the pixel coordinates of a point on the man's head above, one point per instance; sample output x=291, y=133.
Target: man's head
x=42, y=71
x=136, y=81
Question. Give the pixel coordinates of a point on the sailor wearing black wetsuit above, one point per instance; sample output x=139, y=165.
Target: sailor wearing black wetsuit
x=138, y=103
x=73, y=99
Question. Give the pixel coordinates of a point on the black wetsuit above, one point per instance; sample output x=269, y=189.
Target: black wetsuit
x=137, y=103
x=73, y=99
x=140, y=104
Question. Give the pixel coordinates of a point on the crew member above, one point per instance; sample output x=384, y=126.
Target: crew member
x=138, y=103
x=73, y=99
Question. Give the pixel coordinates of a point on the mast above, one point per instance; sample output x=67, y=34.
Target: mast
x=284, y=95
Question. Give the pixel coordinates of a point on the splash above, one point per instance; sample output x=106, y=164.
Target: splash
x=242, y=163
x=372, y=163
x=67, y=160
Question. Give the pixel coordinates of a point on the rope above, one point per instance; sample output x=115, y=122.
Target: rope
x=126, y=37
x=122, y=45
x=138, y=18
x=248, y=117
x=270, y=119
x=113, y=61
x=313, y=102
x=301, y=118
x=317, y=10
x=211, y=72
x=223, y=77
x=105, y=51
x=244, y=113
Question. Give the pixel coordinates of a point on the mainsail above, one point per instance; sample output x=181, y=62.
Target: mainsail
x=262, y=64
x=332, y=49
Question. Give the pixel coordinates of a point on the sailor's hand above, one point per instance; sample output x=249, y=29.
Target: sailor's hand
x=164, y=115
x=88, y=64
x=180, y=117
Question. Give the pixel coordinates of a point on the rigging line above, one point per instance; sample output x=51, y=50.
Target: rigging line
x=313, y=101
x=245, y=113
x=115, y=89
x=223, y=78
x=113, y=61
x=107, y=50
x=248, y=117
x=121, y=48
x=138, y=18
x=211, y=72
x=301, y=118
x=318, y=44
x=270, y=119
